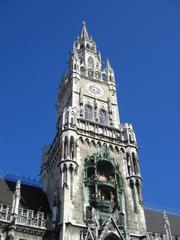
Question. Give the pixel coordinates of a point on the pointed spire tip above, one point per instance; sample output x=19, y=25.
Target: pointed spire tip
x=84, y=33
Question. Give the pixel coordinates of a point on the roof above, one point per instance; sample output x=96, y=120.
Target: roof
x=155, y=222
x=32, y=197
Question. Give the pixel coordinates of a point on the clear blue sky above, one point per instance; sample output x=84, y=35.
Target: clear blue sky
x=141, y=39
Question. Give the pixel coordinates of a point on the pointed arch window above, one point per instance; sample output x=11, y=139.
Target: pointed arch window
x=82, y=69
x=88, y=114
x=104, y=77
x=72, y=148
x=135, y=166
x=103, y=116
x=65, y=174
x=65, y=147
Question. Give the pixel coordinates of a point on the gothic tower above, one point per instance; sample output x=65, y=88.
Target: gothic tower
x=91, y=172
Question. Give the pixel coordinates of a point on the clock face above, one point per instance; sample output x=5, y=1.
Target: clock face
x=94, y=90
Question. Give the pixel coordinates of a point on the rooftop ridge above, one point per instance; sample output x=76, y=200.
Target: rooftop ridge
x=158, y=208
x=24, y=180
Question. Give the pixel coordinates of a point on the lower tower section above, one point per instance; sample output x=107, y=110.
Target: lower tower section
x=93, y=182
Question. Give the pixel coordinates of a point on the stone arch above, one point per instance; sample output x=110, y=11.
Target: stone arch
x=105, y=145
x=81, y=139
x=111, y=236
x=82, y=69
x=117, y=149
x=99, y=144
x=71, y=167
x=111, y=148
x=122, y=150
x=104, y=77
x=72, y=147
x=93, y=143
x=87, y=141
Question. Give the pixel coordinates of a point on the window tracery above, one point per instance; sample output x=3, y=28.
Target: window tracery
x=135, y=166
x=103, y=116
x=88, y=113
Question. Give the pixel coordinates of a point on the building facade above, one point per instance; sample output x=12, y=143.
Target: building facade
x=90, y=174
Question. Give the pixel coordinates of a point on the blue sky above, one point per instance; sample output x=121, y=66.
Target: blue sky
x=141, y=39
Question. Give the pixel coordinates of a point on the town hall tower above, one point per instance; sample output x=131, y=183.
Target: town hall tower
x=90, y=173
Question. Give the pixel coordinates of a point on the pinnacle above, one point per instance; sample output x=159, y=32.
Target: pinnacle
x=108, y=64
x=84, y=33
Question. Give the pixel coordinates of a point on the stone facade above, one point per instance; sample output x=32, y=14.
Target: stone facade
x=88, y=127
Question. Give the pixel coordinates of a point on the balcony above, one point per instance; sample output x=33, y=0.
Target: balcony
x=25, y=217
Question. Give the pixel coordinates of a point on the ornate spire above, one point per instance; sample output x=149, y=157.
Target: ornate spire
x=84, y=33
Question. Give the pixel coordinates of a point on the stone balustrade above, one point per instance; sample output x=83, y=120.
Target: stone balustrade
x=25, y=217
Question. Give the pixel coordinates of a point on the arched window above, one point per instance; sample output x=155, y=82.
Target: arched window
x=103, y=116
x=88, y=114
x=98, y=75
x=104, y=77
x=82, y=69
x=65, y=147
x=90, y=73
x=135, y=166
x=65, y=174
x=72, y=148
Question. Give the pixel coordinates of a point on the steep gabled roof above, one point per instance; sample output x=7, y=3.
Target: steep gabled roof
x=32, y=197
x=155, y=222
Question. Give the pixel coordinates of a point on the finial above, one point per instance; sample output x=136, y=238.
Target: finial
x=83, y=22
x=18, y=185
